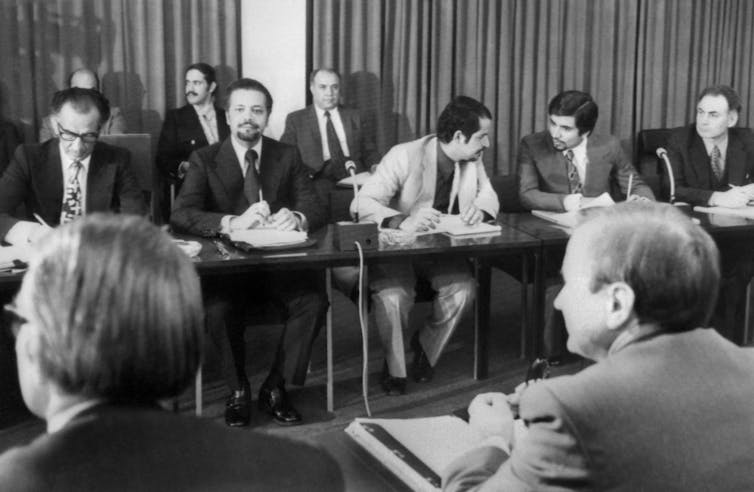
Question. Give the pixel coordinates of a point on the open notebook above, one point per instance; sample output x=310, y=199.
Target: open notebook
x=263, y=238
x=454, y=226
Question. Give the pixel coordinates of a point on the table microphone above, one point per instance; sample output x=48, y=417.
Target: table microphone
x=347, y=234
x=663, y=154
x=351, y=169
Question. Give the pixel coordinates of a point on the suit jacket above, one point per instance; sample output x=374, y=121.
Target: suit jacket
x=113, y=448
x=406, y=181
x=543, y=178
x=10, y=138
x=669, y=412
x=694, y=181
x=35, y=178
x=182, y=134
x=213, y=187
x=302, y=130
x=116, y=123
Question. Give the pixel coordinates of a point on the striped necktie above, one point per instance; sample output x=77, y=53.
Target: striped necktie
x=715, y=159
x=72, y=206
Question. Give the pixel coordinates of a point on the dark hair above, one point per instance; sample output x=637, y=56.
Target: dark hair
x=322, y=69
x=205, y=69
x=462, y=113
x=82, y=101
x=729, y=93
x=249, y=85
x=80, y=70
x=671, y=264
x=578, y=104
x=118, y=309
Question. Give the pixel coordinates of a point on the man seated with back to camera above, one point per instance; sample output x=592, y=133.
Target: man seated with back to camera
x=667, y=406
x=108, y=322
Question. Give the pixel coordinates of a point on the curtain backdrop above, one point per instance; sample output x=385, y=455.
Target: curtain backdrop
x=139, y=48
x=644, y=61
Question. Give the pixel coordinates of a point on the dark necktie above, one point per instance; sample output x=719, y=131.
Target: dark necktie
x=716, y=163
x=251, y=186
x=333, y=142
x=573, y=175
x=72, y=196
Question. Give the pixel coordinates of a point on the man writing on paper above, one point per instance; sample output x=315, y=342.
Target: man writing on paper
x=667, y=406
x=68, y=176
x=713, y=164
x=329, y=135
x=413, y=185
x=244, y=182
x=564, y=168
x=109, y=322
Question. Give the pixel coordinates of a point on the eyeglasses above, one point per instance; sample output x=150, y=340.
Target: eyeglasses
x=70, y=136
x=12, y=319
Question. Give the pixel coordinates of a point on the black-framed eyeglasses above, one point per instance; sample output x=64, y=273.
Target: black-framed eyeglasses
x=12, y=320
x=70, y=136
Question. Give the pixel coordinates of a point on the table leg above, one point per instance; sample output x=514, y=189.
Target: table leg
x=481, y=319
x=330, y=384
x=538, y=317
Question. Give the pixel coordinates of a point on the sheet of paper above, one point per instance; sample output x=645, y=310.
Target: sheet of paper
x=361, y=178
x=268, y=237
x=10, y=253
x=454, y=226
x=745, y=212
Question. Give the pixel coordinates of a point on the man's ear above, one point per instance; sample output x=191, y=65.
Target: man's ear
x=459, y=137
x=619, y=305
x=732, y=118
x=212, y=88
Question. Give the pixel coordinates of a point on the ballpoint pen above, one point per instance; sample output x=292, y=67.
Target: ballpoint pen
x=221, y=249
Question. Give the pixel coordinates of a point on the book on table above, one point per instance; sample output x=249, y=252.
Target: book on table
x=418, y=450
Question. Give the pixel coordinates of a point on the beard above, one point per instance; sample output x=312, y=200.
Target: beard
x=250, y=133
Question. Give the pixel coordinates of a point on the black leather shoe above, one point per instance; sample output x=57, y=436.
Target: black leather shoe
x=274, y=401
x=393, y=386
x=238, y=408
x=421, y=369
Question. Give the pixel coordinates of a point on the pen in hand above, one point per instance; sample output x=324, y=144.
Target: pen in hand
x=41, y=221
x=539, y=369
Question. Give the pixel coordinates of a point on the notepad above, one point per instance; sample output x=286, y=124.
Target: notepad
x=570, y=219
x=454, y=226
x=263, y=238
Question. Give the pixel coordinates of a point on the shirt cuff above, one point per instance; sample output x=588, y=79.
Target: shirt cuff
x=393, y=222
x=21, y=232
x=572, y=202
x=225, y=224
x=303, y=224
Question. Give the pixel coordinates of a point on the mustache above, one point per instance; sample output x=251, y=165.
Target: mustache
x=191, y=93
x=251, y=124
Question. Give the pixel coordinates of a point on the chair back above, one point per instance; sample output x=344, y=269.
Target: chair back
x=506, y=187
x=140, y=147
x=648, y=164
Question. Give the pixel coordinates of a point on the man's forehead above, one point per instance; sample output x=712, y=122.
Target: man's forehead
x=569, y=121
x=69, y=115
x=326, y=78
x=194, y=74
x=713, y=103
x=247, y=97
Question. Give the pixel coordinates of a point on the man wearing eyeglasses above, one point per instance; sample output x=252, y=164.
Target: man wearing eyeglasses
x=67, y=177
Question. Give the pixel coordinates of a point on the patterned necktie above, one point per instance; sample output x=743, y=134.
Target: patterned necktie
x=72, y=196
x=716, y=163
x=251, y=189
x=573, y=175
x=333, y=142
x=209, y=120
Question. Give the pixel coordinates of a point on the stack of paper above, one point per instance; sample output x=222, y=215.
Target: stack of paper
x=572, y=218
x=745, y=212
x=262, y=238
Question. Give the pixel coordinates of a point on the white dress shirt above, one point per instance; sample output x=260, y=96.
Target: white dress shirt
x=208, y=120
x=339, y=131
x=722, y=144
x=580, y=160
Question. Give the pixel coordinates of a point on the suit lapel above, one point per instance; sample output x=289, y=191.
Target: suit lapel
x=49, y=174
x=426, y=196
x=227, y=171
x=347, y=119
x=735, y=160
x=269, y=171
x=700, y=160
x=313, y=125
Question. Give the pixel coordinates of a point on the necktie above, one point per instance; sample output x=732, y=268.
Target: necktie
x=72, y=196
x=336, y=152
x=251, y=186
x=716, y=163
x=573, y=175
x=209, y=120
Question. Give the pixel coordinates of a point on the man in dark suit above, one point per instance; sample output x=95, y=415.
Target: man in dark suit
x=563, y=169
x=713, y=165
x=188, y=128
x=10, y=138
x=250, y=181
x=68, y=176
x=666, y=406
x=328, y=135
x=96, y=349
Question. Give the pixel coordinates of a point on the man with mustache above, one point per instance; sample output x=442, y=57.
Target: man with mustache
x=188, y=128
x=412, y=186
x=250, y=181
x=328, y=135
x=563, y=168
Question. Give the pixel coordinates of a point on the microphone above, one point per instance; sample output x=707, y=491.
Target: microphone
x=663, y=154
x=351, y=169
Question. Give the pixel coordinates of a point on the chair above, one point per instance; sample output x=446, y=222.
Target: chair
x=650, y=167
x=140, y=147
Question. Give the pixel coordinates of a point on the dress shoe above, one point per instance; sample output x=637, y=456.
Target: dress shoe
x=238, y=408
x=393, y=386
x=421, y=369
x=274, y=401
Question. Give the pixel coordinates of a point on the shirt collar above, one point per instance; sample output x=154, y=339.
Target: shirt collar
x=722, y=144
x=240, y=151
x=208, y=112
x=321, y=112
x=61, y=419
x=579, y=151
x=66, y=161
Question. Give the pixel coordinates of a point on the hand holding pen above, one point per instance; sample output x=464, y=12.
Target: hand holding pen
x=539, y=369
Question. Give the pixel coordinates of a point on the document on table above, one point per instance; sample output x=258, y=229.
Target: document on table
x=9, y=254
x=572, y=218
x=261, y=238
x=745, y=212
x=454, y=226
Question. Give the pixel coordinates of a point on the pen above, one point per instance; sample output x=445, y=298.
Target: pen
x=41, y=221
x=630, y=185
x=221, y=249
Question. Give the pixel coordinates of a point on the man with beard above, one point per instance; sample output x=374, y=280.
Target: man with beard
x=562, y=169
x=413, y=185
x=250, y=181
x=193, y=126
